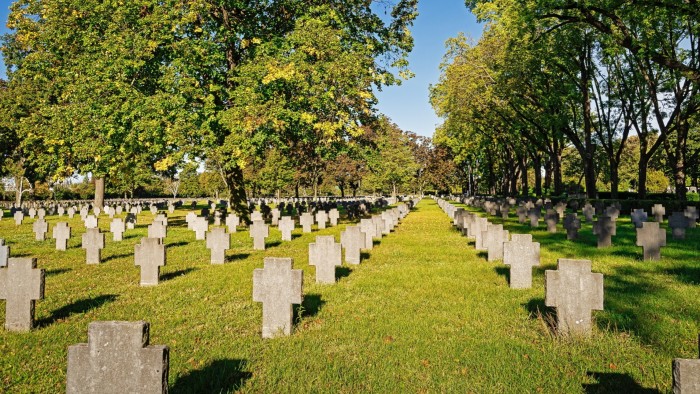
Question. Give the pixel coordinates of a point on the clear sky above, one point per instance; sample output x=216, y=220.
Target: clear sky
x=407, y=105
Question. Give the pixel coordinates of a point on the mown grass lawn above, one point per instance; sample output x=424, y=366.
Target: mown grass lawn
x=424, y=312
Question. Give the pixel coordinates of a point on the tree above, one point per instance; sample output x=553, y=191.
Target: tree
x=392, y=164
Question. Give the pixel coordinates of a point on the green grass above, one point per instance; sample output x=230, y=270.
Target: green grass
x=424, y=312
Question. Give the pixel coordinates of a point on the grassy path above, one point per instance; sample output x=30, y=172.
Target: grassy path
x=423, y=313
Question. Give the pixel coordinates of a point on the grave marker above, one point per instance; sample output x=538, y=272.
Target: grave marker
x=321, y=219
x=150, y=256
x=90, y=221
x=117, y=229
x=658, y=211
x=551, y=218
x=369, y=229
x=604, y=228
x=21, y=284
x=93, y=242
x=325, y=255
x=651, y=238
x=638, y=216
x=259, y=231
x=574, y=291
x=521, y=254
x=232, y=222
x=277, y=286
x=61, y=233
x=200, y=227
x=19, y=217
x=286, y=226
x=40, y=228
x=117, y=358
x=678, y=222
x=686, y=376
x=306, y=221
x=572, y=224
x=218, y=241
x=494, y=237
x=4, y=253
x=334, y=215
x=157, y=230
x=352, y=240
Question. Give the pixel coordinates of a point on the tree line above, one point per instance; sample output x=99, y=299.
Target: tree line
x=574, y=96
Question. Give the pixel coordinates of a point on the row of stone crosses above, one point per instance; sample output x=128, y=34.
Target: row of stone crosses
x=573, y=290
x=117, y=354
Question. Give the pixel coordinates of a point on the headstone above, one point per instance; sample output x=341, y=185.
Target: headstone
x=551, y=218
x=4, y=253
x=572, y=224
x=117, y=229
x=321, y=219
x=658, y=211
x=306, y=221
x=479, y=225
x=90, y=221
x=651, y=238
x=119, y=210
x=521, y=254
x=61, y=211
x=368, y=229
x=130, y=221
x=190, y=218
x=218, y=241
x=21, y=284
x=334, y=215
x=41, y=213
x=19, y=217
x=534, y=216
x=379, y=226
x=574, y=291
x=353, y=241
x=604, y=228
x=678, y=222
x=522, y=214
x=638, y=216
x=93, y=243
x=40, y=228
x=117, y=358
x=256, y=215
x=32, y=213
x=217, y=218
x=686, y=376
x=157, y=230
x=286, y=226
x=200, y=227
x=494, y=237
x=259, y=231
x=613, y=212
x=275, y=216
x=61, y=233
x=277, y=286
x=232, y=222
x=150, y=256
x=154, y=209
x=71, y=212
x=693, y=215
x=588, y=212
x=325, y=254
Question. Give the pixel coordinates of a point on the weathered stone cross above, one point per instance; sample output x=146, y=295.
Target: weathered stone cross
x=150, y=256
x=61, y=233
x=352, y=240
x=651, y=238
x=521, y=254
x=277, y=286
x=218, y=241
x=286, y=226
x=93, y=242
x=21, y=284
x=306, y=221
x=325, y=254
x=259, y=231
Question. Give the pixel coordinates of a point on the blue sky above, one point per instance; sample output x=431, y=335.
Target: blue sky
x=407, y=105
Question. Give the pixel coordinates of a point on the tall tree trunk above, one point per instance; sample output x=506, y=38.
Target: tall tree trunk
x=19, y=181
x=525, y=181
x=99, y=192
x=642, y=176
x=537, y=163
x=614, y=179
x=237, y=201
x=556, y=168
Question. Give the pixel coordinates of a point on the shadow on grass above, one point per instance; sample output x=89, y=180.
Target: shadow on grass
x=685, y=274
x=613, y=382
x=503, y=271
x=56, y=271
x=482, y=254
x=117, y=256
x=539, y=311
x=236, y=257
x=310, y=306
x=175, y=274
x=77, y=307
x=342, y=272
x=365, y=256
x=176, y=244
x=272, y=244
x=130, y=236
x=220, y=376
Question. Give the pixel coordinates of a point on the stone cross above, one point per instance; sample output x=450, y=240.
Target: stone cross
x=560, y=208
x=658, y=211
x=551, y=217
x=379, y=226
x=150, y=256
x=325, y=254
x=678, y=222
x=369, y=230
x=686, y=375
x=157, y=230
x=61, y=211
x=130, y=221
x=651, y=238
x=494, y=237
x=161, y=218
x=190, y=217
x=71, y=212
x=604, y=228
x=40, y=228
x=119, y=210
x=61, y=233
x=200, y=227
x=41, y=213
x=638, y=216
x=277, y=286
x=32, y=213
x=521, y=211
x=4, y=253
x=117, y=229
x=534, y=215
x=572, y=224
x=613, y=212
x=275, y=216
x=588, y=212
x=256, y=215
x=218, y=241
x=693, y=215
x=117, y=358
x=90, y=221
x=217, y=218
x=388, y=222
x=21, y=284
x=521, y=254
x=478, y=227
x=93, y=242
x=154, y=209
x=19, y=217
x=574, y=291
x=286, y=226
x=334, y=215
x=352, y=240
x=232, y=222
x=306, y=221
x=259, y=231
x=321, y=219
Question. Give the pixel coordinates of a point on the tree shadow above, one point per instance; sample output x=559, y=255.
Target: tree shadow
x=310, y=306
x=685, y=274
x=614, y=382
x=56, y=271
x=220, y=376
x=76, y=307
x=237, y=256
x=342, y=272
x=175, y=274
